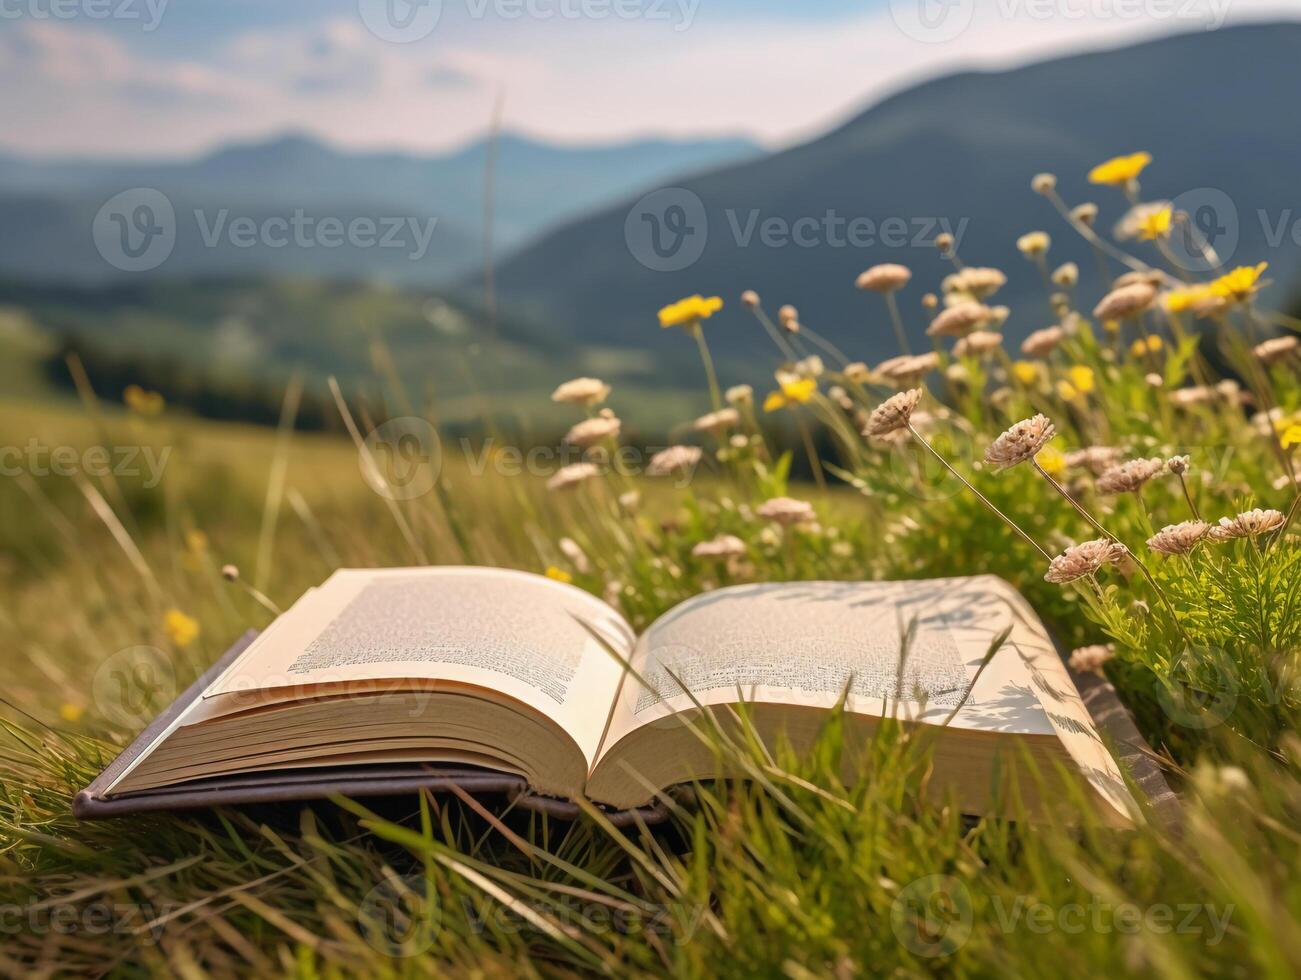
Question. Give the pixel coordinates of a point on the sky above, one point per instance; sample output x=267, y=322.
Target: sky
x=174, y=78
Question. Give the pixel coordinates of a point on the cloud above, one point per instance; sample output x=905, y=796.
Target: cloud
x=76, y=87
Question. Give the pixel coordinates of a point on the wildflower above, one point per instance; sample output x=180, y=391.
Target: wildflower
x=582, y=391
x=1066, y=275
x=673, y=460
x=1239, y=285
x=1192, y=395
x=909, y=368
x=957, y=374
x=1153, y=380
x=1081, y=376
x=944, y=241
x=572, y=475
x=977, y=343
x=930, y=301
x=1051, y=461
x=893, y=413
x=143, y=402
x=1084, y=559
x=591, y=431
x=1034, y=244
x=1150, y=344
x=958, y=320
x=180, y=628
x=1156, y=224
x=1248, y=524
x=786, y=510
x=71, y=713
x=230, y=573
x=630, y=500
x=976, y=282
x=1125, y=302
x=1089, y=660
x=1289, y=430
x=885, y=278
x=1189, y=298
x=750, y=299
x=857, y=372
x=1044, y=183
x=794, y=391
x=1096, y=459
x=559, y=575
x=788, y=315
x=740, y=395
x=1043, y=342
x=1275, y=349
x=1120, y=170
x=809, y=367
x=576, y=555
x=1020, y=443
x=723, y=546
x=1026, y=372
x=717, y=422
x=689, y=311
x=1129, y=477
x=1178, y=539
x=1086, y=213
x=1178, y=465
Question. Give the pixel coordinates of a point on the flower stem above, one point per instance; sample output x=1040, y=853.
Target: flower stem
x=893, y=305
x=983, y=499
x=714, y=393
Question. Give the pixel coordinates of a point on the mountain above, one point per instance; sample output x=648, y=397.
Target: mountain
x=55, y=202
x=959, y=150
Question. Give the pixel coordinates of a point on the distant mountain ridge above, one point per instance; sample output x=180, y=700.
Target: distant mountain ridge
x=536, y=185
x=961, y=150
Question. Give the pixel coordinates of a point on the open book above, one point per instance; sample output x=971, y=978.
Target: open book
x=512, y=673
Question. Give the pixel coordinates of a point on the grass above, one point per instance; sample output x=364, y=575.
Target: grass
x=792, y=873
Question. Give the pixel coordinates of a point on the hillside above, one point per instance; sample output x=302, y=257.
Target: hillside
x=961, y=149
x=536, y=185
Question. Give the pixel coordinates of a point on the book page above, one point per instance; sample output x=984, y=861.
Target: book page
x=513, y=633
x=807, y=643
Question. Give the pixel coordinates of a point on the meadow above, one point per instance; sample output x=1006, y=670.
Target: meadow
x=1132, y=469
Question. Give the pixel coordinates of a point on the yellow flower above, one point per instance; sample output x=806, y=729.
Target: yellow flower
x=70, y=713
x=691, y=310
x=1120, y=170
x=1156, y=225
x=1145, y=345
x=1081, y=378
x=1182, y=300
x=1289, y=430
x=1027, y=372
x=1111, y=326
x=1066, y=391
x=1240, y=284
x=196, y=542
x=180, y=628
x=794, y=391
x=143, y=402
x=559, y=574
x=1052, y=461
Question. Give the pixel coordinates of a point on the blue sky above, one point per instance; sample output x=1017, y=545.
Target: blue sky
x=132, y=78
